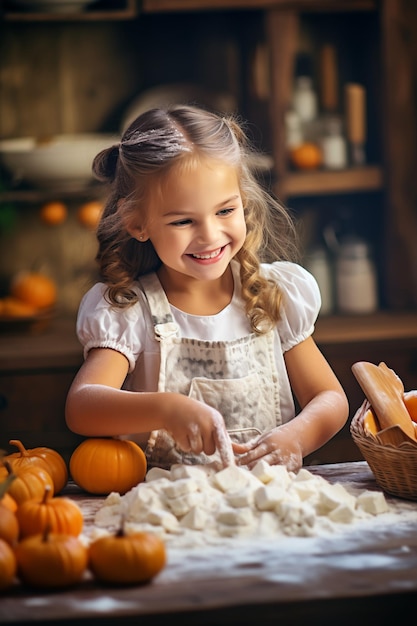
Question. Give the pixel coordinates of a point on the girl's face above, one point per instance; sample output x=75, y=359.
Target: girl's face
x=197, y=224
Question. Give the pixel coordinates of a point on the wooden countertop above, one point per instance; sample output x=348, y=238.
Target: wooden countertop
x=57, y=344
x=363, y=575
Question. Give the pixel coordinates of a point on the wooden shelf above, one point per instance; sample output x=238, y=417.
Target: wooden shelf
x=153, y=6
x=33, y=196
x=369, y=178
x=377, y=327
x=117, y=10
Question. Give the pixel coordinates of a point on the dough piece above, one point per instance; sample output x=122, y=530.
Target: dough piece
x=236, y=517
x=331, y=496
x=342, y=514
x=156, y=473
x=373, y=502
x=198, y=472
x=232, y=478
x=163, y=518
x=267, y=497
x=181, y=505
x=180, y=487
x=196, y=519
x=265, y=472
x=241, y=498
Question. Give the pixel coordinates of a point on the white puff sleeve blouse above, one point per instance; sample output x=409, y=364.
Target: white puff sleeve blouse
x=130, y=331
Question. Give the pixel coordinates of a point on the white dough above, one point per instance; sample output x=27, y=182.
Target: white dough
x=194, y=505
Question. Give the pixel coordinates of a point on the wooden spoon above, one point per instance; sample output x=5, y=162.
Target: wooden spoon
x=384, y=390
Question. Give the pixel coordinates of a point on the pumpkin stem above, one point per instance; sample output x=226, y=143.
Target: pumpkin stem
x=46, y=533
x=4, y=486
x=20, y=446
x=121, y=530
x=46, y=494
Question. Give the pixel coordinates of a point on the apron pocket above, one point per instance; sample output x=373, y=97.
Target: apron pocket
x=238, y=400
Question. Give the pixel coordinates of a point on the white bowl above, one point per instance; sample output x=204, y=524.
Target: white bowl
x=63, y=161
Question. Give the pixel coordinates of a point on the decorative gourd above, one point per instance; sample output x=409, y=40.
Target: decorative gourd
x=9, y=502
x=127, y=559
x=101, y=466
x=9, y=526
x=47, y=458
x=30, y=482
x=8, y=565
x=51, y=560
x=5, y=498
x=60, y=515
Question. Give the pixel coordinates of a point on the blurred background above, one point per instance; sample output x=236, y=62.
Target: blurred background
x=328, y=91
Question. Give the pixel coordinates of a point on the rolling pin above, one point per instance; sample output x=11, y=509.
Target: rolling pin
x=355, y=104
x=384, y=390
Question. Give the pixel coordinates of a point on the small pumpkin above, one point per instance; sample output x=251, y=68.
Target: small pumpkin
x=8, y=566
x=51, y=560
x=127, y=559
x=100, y=465
x=5, y=497
x=9, y=526
x=9, y=502
x=47, y=458
x=30, y=482
x=60, y=514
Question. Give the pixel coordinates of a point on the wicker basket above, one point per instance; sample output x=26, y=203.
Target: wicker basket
x=394, y=468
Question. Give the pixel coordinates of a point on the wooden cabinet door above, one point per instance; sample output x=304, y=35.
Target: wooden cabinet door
x=32, y=409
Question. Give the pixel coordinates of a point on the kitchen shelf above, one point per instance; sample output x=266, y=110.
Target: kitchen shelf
x=33, y=196
x=353, y=180
x=149, y=6
x=375, y=327
x=105, y=10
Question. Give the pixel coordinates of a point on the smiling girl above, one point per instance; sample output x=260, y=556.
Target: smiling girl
x=199, y=335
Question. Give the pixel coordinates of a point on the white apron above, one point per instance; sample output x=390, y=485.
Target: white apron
x=239, y=378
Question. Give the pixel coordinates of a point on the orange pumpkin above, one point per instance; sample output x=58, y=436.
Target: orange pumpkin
x=60, y=515
x=9, y=502
x=5, y=498
x=306, y=156
x=9, y=527
x=410, y=401
x=35, y=289
x=89, y=213
x=53, y=213
x=51, y=560
x=127, y=559
x=101, y=466
x=30, y=482
x=46, y=458
x=8, y=565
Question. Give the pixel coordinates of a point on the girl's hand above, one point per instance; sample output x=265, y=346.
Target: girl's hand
x=277, y=447
x=197, y=427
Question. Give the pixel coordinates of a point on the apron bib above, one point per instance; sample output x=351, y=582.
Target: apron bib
x=239, y=378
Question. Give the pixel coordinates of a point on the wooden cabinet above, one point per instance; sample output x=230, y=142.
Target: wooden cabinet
x=79, y=72
x=36, y=371
x=387, y=337
x=32, y=409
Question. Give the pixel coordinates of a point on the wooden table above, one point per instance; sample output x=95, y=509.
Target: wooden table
x=367, y=576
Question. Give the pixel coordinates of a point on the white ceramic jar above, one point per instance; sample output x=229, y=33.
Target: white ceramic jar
x=318, y=264
x=356, y=279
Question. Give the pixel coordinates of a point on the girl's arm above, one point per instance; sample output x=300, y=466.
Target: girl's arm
x=97, y=407
x=324, y=411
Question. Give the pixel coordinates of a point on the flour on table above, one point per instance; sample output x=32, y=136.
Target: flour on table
x=193, y=506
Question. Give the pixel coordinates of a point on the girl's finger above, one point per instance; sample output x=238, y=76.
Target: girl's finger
x=224, y=446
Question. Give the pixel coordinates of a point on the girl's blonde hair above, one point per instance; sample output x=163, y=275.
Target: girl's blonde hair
x=155, y=143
